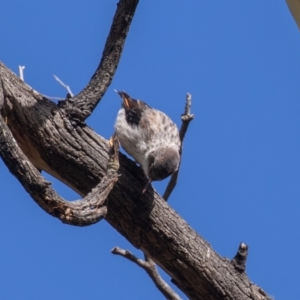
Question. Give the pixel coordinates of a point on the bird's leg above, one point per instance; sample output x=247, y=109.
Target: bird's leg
x=113, y=163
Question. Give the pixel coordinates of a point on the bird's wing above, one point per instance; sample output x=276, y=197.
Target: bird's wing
x=134, y=109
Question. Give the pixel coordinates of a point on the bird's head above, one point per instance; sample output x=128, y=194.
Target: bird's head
x=162, y=162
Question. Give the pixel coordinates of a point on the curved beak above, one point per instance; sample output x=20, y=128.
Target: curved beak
x=147, y=184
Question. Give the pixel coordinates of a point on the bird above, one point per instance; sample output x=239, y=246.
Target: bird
x=149, y=136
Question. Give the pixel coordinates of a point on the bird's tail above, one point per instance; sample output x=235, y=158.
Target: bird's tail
x=128, y=102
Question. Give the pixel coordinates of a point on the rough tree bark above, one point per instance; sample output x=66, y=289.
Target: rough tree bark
x=54, y=138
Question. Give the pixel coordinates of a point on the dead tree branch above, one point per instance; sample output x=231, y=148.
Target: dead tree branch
x=39, y=135
x=81, y=106
x=149, y=266
x=63, y=85
x=186, y=118
x=87, y=211
x=78, y=157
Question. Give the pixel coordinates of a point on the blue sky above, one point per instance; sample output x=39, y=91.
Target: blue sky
x=240, y=174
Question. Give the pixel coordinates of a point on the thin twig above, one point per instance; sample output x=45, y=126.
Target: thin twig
x=21, y=72
x=63, y=84
x=149, y=266
x=186, y=118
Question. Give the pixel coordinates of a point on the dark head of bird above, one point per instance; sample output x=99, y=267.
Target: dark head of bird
x=162, y=163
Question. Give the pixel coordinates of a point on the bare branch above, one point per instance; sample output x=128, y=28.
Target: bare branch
x=186, y=118
x=149, y=266
x=78, y=156
x=21, y=72
x=83, y=212
x=64, y=85
x=82, y=105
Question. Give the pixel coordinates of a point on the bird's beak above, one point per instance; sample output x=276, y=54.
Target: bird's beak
x=147, y=184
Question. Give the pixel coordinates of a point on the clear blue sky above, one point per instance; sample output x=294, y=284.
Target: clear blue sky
x=240, y=173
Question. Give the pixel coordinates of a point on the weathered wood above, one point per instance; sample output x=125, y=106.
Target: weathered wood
x=89, y=210
x=82, y=105
x=78, y=157
x=150, y=267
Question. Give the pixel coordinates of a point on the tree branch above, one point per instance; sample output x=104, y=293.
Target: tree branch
x=149, y=266
x=87, y=211
x=81, y=106
x=78, y=157
x=21, y=72
x=186, y=118
x=63, y=85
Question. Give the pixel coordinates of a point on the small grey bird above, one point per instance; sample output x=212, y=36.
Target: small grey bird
x=149, y=136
